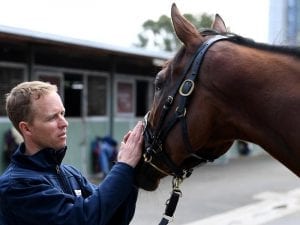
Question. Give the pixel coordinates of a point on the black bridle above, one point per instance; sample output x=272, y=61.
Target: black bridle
x=154, y=139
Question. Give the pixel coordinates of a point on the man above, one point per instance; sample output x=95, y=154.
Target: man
x=37, y=188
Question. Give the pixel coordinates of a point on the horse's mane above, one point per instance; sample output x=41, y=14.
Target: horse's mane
x=283, y=49
x=235, y=38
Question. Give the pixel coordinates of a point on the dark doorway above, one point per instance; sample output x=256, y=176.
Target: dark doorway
x=73, y=86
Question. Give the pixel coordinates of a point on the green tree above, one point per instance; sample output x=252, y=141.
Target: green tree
x=160, y=34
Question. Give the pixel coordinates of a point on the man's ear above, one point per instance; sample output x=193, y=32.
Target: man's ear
x=24, y=128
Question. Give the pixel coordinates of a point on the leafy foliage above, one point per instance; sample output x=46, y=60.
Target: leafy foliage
x=160, y=34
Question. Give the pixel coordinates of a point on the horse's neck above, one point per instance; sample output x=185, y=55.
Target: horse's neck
x=262, y=90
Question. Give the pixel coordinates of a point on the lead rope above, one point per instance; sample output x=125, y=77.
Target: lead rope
x=171, y=203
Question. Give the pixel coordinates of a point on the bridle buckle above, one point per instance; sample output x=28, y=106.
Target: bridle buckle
x=181, y=113
x=186, y=87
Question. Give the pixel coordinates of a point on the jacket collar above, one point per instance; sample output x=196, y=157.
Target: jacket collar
x=43, y=160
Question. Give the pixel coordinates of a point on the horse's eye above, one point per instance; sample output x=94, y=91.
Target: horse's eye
x=157, y=88
x=158, y=85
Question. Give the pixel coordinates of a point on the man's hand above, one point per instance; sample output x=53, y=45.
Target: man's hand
x=130, y=150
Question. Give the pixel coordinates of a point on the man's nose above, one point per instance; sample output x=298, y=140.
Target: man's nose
x=63, y=122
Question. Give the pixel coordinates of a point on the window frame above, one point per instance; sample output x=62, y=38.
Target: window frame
x=12, y=65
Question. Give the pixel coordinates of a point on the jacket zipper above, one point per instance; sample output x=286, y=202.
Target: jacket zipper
x=64, y=182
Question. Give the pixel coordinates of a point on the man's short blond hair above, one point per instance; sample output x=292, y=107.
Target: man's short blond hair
x=19, y=100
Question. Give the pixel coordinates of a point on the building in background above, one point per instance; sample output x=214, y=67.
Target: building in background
x=106, y=89
x=284, y=22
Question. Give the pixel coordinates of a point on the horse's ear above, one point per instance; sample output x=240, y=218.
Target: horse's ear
x=184, y=29
x=219, y=24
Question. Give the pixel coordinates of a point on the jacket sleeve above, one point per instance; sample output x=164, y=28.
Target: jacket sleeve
x=118, y=207
x=34, y=201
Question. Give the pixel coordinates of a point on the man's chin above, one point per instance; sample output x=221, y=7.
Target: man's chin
x=60, y=147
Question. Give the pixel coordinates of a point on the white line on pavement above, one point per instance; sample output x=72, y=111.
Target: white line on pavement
x=272, y=206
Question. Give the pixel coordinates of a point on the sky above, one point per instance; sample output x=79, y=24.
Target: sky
x=118, y=22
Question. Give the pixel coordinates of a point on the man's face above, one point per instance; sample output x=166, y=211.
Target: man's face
x=49, y=126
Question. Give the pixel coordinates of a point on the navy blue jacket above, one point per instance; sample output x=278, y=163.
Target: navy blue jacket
x=39, y=189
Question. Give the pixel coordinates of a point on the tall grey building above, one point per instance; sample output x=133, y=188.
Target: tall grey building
x=284, y=22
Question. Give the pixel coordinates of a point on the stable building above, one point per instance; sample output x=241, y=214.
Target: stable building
x=106, y=89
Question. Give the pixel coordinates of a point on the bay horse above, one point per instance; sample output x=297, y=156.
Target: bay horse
x=220, y=87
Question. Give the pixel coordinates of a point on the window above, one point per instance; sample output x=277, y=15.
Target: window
x=142, y=98
x=97, y=96
x=124, y=98
x=133, y=97
x=9, y=77
x=73, y=88
x=52, y=78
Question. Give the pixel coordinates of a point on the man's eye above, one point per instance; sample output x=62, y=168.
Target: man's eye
x=52, y=118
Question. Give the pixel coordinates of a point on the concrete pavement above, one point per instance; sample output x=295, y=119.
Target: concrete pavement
x=242, y=188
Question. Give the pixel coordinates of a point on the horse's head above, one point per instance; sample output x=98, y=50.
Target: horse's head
x=182, y=128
